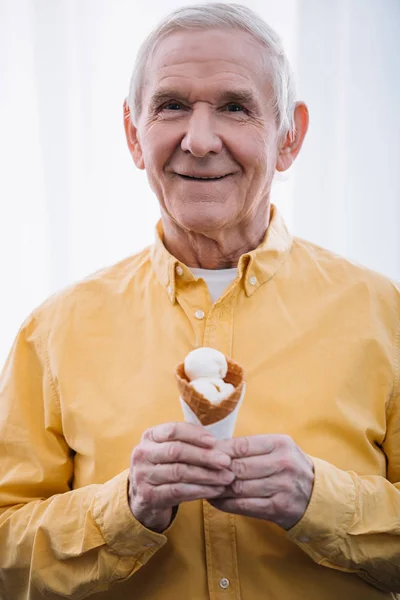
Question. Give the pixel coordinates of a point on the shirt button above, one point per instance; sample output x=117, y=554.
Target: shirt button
x=224, y=583
x=253, y=280
x=199, y=314
x=179, y=270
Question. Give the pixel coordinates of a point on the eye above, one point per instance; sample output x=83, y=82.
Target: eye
x=234, y=107
x=172, y=105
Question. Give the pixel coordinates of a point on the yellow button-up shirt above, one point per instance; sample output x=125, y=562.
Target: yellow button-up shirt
x=93, y=367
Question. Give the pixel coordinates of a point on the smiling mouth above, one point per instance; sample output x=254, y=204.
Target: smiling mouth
x=193, y=178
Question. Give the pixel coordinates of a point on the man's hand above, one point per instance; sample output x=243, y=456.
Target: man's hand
x=174, y=463
x=274, y=479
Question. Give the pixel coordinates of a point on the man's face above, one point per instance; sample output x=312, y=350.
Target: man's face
x=207, y=135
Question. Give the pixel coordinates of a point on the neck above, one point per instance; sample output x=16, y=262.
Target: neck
x=219, y=249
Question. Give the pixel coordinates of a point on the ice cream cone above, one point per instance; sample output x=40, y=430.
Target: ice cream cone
x=206, y=412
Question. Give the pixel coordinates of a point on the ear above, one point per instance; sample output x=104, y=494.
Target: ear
x=291, y=144
x=132, y=138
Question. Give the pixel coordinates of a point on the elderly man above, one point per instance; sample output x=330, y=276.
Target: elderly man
x=104, y=491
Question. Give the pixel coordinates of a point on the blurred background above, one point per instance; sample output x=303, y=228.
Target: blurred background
x=71, y=200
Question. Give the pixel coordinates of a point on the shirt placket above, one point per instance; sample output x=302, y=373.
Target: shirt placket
x=219, y=527
x=213, y=325
x=221, y=554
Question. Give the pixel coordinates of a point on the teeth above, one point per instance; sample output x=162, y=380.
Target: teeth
x=192, y=177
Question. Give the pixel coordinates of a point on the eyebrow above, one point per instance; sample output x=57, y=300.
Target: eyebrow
x=240, y=96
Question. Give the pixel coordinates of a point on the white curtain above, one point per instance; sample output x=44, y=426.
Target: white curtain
x=71, y=200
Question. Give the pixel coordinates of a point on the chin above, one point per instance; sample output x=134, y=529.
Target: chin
x=204, y=219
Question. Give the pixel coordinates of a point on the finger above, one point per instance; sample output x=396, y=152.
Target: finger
x=183, y=473
x=255, y=467
x=255, y=507
x=257, y=488
x=167, y=495
x=268, y=509
x=253, y=445
x=172, y=452
x=183, y=432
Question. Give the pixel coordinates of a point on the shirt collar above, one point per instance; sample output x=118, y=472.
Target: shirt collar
x=255, y=268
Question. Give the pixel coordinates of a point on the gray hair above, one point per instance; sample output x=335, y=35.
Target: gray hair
x=219, y=15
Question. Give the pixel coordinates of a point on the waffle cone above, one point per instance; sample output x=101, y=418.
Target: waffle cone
x=206, y=412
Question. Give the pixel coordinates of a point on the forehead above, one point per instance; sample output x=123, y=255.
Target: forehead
x=206, y=59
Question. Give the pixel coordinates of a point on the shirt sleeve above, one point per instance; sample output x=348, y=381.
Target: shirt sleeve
x=352, y=522
x=55, y=540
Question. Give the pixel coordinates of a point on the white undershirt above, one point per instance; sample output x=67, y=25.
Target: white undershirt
x=217, y=280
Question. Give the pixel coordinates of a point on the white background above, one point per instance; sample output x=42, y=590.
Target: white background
x=71, y=200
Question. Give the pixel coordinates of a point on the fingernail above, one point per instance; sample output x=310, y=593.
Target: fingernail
x=223, y=459
x=228, y=477
x=208, y=439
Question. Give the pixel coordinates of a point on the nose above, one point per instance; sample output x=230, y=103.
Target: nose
x=201, y=137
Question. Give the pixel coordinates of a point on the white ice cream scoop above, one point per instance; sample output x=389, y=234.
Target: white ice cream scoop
x=205, y=362
x=225, y=390
x=212, y=388
x=207, y=389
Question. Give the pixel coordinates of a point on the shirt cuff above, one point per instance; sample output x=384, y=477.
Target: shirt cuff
x=329, y=513
x=122, y=532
